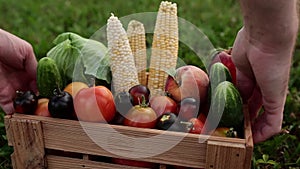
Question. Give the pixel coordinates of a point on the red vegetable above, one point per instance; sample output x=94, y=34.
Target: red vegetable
x=137, y=93
x=196, y=126
x=95, y=104
x=163, y=104
x=225, y=58
x=140, y=116
x=25, y=102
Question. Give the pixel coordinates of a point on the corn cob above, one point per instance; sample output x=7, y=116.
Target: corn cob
x=164, y=47
x=124, y=73
x=137, y=40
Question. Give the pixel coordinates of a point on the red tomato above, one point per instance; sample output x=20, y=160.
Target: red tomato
x=134, y=163
x=196, y=126
x=95, y=104
x=42, y=108
x=202, y=117
x=140, y=116
x=163, y=104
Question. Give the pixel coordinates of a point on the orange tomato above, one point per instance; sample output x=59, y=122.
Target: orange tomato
x=224, y=132
x=74, y=87
x=42, y=108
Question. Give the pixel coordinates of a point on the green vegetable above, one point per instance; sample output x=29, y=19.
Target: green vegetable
x=219, y=73
x=78, y=58
x=227, y=104
x=48, y=77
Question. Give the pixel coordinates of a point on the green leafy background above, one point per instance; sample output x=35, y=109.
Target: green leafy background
x=40, y=21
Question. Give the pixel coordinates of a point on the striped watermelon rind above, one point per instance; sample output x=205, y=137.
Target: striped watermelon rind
x=227, y=104
x=219, y=73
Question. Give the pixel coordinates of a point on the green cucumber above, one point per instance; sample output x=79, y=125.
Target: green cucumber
x=48, y=77
x=228, y=105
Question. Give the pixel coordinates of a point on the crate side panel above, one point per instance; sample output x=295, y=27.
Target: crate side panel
x=248, y=138
x=27, y=140
x=58, y=162
x=70, y=135
x=222, y=155
x=8, y=129
x=62, y=136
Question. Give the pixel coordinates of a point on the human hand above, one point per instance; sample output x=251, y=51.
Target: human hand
x=17, y=69
x=262, y=78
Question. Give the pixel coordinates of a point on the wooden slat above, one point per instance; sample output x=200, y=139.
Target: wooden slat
x=8, y=129
x=248, y=138
x=222, y=155
x=69, y=135
x=58, y=162
x=192, y=151
x=26, y=137
x=73, y=138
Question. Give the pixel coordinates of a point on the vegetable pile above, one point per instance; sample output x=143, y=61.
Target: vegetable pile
x=187, y=100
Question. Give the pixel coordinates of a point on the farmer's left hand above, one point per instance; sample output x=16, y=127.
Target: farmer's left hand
x=17, y=69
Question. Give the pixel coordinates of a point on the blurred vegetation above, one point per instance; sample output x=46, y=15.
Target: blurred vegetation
x=40, y=21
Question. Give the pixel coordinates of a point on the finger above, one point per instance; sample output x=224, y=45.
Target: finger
x=266, y=125
x=30, y=62
x=33, y=86
x=272, y=73
x=6, y=98
x=239, y=54
x=244, y=76
x=270, y=121
x=10, y=51
x=245, y=86
x=30, y=66
x=255, y=104
x=8, y=108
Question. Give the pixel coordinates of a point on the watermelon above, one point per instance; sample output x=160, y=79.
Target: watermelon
x=227, y=106
x=219, y=73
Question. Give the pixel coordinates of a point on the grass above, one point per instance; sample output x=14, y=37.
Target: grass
x=39, y=22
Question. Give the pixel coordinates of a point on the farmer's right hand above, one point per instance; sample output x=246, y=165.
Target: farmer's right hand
x=262, y=53
x=17, y=68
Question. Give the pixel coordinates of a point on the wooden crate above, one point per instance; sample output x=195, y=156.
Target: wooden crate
x=42, y=142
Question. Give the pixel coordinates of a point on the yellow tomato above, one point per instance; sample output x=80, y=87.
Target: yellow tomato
x=74, y=87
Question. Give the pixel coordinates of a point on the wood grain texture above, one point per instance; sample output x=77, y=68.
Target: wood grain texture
x=58, y=162
x=248, y=139
x=222, y=155
x=192, y=150
x=26, y=136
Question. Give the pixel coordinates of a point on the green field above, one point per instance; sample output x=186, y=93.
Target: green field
x=40, y=21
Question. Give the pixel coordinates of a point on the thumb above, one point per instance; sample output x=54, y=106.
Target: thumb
x=269, y=122
x=8, y=108
x=266, y=125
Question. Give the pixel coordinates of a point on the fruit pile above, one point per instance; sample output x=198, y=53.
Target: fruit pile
x=189, y=100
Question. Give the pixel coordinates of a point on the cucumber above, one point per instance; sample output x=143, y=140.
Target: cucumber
x=48, y=77
x=228, y=105
x=219, y=73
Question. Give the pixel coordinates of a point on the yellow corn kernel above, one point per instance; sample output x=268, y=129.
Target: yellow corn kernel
x=137, y=40
x=124, y=73
x=164, y=47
